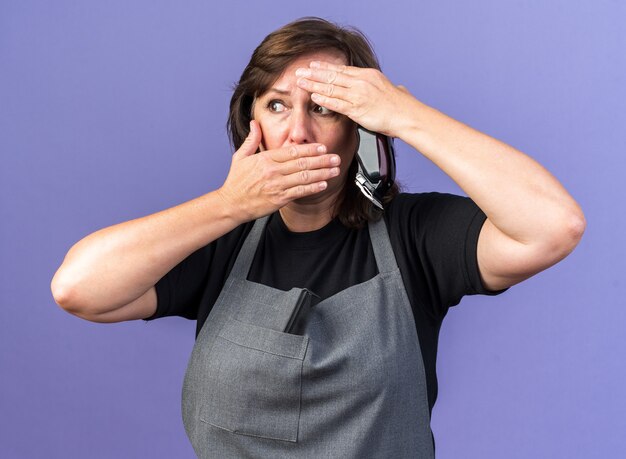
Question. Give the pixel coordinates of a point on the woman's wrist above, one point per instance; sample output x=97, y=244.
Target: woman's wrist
x=433, y=133
x=229, y=209
x=411, y=122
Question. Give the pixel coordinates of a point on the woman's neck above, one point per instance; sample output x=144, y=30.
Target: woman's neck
x=308, y=215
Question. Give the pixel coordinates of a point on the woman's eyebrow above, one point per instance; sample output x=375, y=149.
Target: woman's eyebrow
x=282, y=92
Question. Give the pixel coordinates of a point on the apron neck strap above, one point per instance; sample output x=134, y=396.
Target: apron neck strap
x=242, y=265
x=383, y=252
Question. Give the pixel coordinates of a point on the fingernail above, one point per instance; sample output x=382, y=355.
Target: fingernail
x=321, y=149
x=323, y=185
x=303, y=72
x=334, y=171
x=334, y=160
x=302, y=82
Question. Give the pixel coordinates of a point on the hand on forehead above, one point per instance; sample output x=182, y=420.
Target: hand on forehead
x=328, y=72
x=364, y=95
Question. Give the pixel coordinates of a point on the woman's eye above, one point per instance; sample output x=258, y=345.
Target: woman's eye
x=322, y=110
x=276, y=106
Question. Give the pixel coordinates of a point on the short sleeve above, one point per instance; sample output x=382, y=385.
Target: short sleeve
x=438, y=235
x=191, y=288
x=179, y=292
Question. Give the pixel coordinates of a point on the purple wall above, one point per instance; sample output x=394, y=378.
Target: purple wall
x=113, y=110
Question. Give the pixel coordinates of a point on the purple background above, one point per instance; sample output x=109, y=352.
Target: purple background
x=114, y=110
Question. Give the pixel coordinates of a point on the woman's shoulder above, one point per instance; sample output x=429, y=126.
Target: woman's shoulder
x=425, y=197
x=412, y=206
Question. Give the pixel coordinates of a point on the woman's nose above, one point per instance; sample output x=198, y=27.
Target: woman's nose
x=300, y=127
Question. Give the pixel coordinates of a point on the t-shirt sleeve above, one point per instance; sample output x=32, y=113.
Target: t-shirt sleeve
x=179, y=291
x=440, y=234
x=191, y=288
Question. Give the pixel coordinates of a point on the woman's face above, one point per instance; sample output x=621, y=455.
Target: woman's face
x=288, y=116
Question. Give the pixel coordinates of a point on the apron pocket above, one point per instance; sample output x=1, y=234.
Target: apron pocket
x=255, y=378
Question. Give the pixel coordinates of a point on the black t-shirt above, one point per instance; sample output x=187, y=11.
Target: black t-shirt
x=433, y=236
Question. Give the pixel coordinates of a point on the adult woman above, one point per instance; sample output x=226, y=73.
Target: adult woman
x=359, y=381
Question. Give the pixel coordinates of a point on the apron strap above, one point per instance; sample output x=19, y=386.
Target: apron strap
x=242, y=265
x=383, y=252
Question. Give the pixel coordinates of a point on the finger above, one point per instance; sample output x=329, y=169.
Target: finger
x=301, y=191
x=336, y=105
x=310, y=163
x=340, y=68
x=297, y=151
x=326, y=76
x=329, y=90
x=308, y=177
x=251, y=144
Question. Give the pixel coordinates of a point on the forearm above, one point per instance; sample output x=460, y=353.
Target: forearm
x=520, y=197
x=115, y=265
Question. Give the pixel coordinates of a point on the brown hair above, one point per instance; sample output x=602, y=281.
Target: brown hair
x=271, y=58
